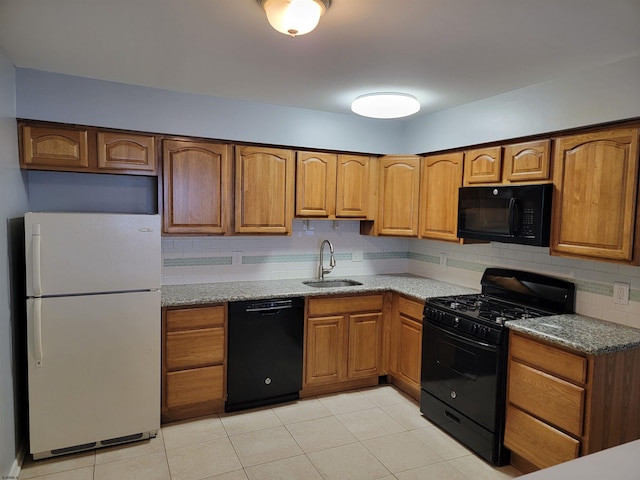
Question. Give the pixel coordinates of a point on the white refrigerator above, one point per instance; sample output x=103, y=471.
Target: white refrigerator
x=93, y=329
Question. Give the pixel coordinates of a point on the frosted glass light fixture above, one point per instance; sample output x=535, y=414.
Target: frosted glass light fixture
x=294, y=17
x=385, y=105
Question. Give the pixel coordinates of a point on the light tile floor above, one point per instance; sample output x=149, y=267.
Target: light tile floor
x=377, y=433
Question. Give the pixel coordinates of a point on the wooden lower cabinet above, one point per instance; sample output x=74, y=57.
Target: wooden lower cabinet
x=406, y=344
x=562, y=404
x=193, y=361
x=343, y=343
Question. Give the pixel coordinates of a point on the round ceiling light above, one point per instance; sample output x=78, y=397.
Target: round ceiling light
x=294, y=17
x=385, y=105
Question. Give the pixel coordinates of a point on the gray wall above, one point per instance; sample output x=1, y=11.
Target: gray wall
x=13, y=203
x=598, y=95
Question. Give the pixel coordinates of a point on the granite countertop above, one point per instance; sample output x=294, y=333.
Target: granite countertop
x=413, y=286
x=584, y=334
x=581, y=333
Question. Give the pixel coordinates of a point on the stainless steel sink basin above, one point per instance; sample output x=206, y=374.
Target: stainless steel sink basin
x=331, y=283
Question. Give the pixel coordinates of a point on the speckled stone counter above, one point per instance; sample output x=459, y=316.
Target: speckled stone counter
x=413, y=286
x=581, y=333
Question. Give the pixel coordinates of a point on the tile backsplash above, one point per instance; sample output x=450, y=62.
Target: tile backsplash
x=239, y=258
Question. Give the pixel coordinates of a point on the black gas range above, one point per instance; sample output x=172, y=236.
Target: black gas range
x=464, y=353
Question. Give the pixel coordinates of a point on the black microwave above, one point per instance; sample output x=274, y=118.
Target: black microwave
x=509, y=214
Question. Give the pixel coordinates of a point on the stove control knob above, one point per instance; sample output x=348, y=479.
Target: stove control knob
x=456, y=322
x=484, y=331
x=474, y=328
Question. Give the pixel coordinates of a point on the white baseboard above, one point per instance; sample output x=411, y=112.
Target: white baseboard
x=17, y=464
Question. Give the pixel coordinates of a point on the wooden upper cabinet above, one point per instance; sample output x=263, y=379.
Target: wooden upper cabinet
x=441, y=179
x=121, y=151
x=55, y=148
x=399, y=195
x=483, y=165
x=529, y=161
x=315, y=184
x=264, y=190
x=78, y=149
x=332, y=186
x=594, y=205
x=197, y=182
x=352, y=186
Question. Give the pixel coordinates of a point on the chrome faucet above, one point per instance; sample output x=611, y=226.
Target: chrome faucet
x=332, y=259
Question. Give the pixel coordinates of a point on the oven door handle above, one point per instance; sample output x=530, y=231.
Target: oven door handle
x=476, y=343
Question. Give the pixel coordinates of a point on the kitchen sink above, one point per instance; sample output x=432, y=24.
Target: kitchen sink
x=331, y=283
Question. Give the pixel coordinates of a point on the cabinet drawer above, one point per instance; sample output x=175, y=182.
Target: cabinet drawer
x=195, y=348
x=199, y=385
x=411, y=308
x=537, y=442
x=554, y=400
x=344, y=305
x=191, y=318
x=552, y=360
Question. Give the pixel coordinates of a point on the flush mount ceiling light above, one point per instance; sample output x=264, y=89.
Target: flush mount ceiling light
x=385, y=105
x=294, y=17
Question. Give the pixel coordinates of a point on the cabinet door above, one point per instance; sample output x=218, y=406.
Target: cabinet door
x=352, y=188
x=441, y=178
x=55, y=148
x=327, y=343
x=197, y=179
x=132, y=153
x=264, y=190
x=364, y=345
x=483, y=165
x=315, y=184
x=409, y=350
x=527, y=161
x=594, y=204
x=399, y=196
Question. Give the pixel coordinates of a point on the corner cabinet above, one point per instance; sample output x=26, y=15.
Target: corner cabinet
x=193, y=361
x=78, y=149
x=406, y=344
x=197, y=190
x=343, y=343
x=562, y=404
x=595, y=196
x=264, y=190
x=441, y=179
x=399, y=196
x=332, y=186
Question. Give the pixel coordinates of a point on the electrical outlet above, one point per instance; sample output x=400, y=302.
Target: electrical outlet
x=236, y=258
x=357, y=256
x=621, y=293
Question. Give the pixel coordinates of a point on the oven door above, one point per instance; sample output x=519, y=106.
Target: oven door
x=463, y=373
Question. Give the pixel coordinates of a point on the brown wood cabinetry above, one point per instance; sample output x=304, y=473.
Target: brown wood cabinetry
x=595, y=196
x=78, y=149
x=406, y=344
x=399, y=196
x=264, y=190
x=441, y=178
x=193, y=353
x=563, y=404
x=483, y=165
x=197, y=187
x=332, y=186
x=343, y=342
x=529, y=161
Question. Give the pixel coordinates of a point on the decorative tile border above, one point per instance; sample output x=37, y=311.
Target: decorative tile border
x=581, y=285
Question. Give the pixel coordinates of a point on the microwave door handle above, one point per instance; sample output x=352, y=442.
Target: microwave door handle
x=513, y=217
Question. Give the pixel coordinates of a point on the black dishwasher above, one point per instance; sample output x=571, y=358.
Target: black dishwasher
x=264, y=361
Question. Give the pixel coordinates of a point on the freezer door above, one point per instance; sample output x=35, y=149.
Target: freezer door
x=93, y=367
x=77, y=253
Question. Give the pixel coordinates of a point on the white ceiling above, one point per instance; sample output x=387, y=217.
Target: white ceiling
x=445, y=52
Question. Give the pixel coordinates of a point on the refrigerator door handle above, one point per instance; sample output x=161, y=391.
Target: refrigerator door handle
x=37, y=330
x=35, y=264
